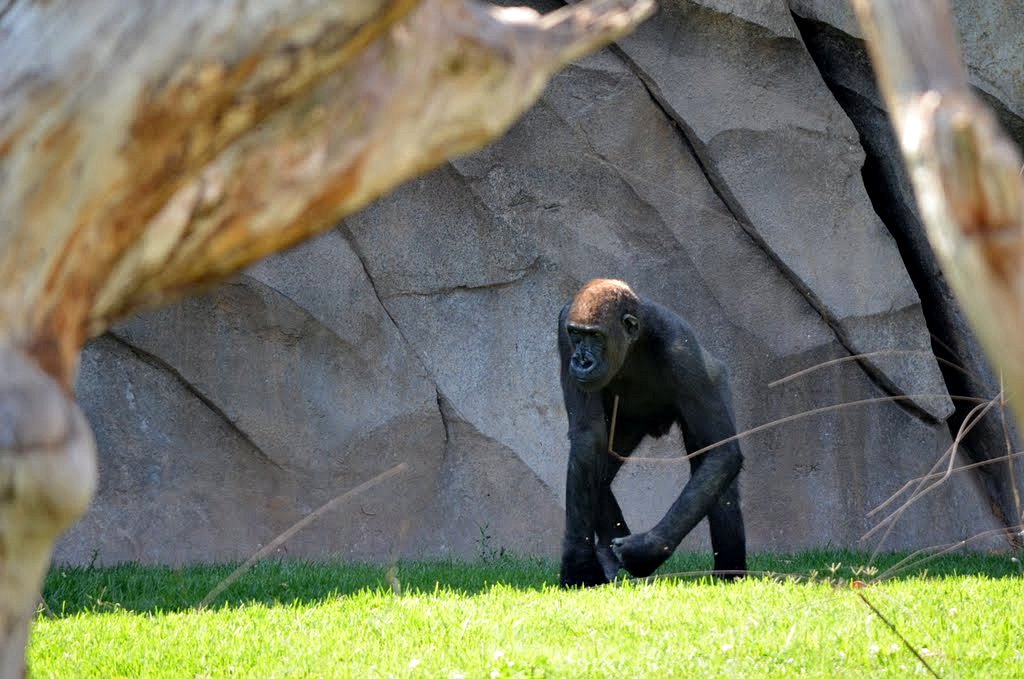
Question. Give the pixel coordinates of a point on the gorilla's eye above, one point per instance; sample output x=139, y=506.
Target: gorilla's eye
x=578, y=335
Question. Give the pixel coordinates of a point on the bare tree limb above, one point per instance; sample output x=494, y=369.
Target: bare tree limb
x=965, y=171
x=194, y=138
x=148, y=148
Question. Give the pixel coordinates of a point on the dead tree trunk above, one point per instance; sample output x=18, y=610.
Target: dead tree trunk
x=148, y=148
x=966, y=176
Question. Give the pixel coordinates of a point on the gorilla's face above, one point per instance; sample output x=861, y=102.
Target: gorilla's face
x=601, y=326
x=599, y=352
x=588, y=364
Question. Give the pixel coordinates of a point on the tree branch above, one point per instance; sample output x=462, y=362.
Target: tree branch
x=965, y=172
x=148, y=148
x=166, y=146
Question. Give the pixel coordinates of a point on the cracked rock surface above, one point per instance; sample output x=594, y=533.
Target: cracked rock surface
x=709, y=161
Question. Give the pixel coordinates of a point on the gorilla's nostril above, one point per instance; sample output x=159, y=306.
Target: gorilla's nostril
x=583, y=364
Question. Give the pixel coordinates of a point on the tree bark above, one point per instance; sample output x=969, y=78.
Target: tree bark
x=149, y=148
x=966, y=176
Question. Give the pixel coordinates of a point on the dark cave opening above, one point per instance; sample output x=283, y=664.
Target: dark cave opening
x=845, y=68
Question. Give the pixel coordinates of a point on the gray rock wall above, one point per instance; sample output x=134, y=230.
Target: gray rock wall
x=707, y=160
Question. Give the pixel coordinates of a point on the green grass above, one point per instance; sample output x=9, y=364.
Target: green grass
x=506, y=619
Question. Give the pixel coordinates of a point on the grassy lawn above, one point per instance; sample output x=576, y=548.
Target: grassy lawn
x=506, y=618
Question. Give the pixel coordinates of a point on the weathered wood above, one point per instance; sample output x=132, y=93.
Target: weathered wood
x=965, y=172
x=47, y=477
x=148, y=148
x=165, y=145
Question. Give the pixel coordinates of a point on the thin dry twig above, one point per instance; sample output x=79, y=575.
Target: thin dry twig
x=961, y=468
x=892, y=627
x=611, y=429
x=1010, y=466
x=909, y=562
x=889, y=522
x=969, y=421
x=870, y=354
x=297, y=526
x=785, y=420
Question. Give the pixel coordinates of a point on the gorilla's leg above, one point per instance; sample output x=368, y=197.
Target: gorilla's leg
x=727, y=536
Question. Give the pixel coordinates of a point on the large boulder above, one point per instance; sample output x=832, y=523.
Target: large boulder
x=706, y=161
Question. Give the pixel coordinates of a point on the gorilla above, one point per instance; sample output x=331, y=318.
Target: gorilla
x=624, y=355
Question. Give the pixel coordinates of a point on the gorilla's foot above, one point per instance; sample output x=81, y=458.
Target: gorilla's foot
x=641, y=553
x=582, y=569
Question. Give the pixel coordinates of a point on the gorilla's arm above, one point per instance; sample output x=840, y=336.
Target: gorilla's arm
x=588, y=460
x=706, y=406
x=588, y=466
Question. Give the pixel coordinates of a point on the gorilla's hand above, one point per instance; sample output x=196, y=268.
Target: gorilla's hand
x=641, y=553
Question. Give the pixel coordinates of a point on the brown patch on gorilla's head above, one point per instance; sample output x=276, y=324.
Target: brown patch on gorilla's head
x=602, y=325
x=601, y=303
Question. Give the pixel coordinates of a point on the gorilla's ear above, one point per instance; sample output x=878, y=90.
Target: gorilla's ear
x=632, y=325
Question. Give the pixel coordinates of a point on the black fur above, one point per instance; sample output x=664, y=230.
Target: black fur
x=613, y=343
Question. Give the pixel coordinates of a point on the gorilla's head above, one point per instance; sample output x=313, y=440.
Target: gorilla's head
x=601, y=325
